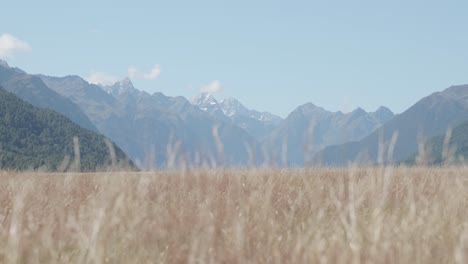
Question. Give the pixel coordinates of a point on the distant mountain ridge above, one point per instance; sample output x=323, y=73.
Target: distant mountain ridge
x=310, y=128
x=148, y=126
x=429, y=117
x=144, y=125
x=274, y=133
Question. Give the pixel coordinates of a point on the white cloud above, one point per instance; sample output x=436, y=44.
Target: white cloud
x=153, y=73
x=132, y=72
x=101, y=78
x=9, y=44
x=212, y=87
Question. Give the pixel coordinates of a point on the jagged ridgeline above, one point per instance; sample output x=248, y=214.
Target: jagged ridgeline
x=33, y=138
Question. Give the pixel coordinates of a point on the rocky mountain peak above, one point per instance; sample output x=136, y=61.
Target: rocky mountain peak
x=382, y=110
x=232, y=106
x=121, y=87
x=205, y=98
x=127, y=83
x=4, y=64
x=359, y=111
x=206, y=102
x=308, y=108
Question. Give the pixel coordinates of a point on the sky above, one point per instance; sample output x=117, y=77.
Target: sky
x=271, y=55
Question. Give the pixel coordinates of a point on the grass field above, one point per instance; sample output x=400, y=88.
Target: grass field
x=352, y=215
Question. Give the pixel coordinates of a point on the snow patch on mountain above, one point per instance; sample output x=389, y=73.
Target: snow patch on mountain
x=121, y=87
x=231, y=108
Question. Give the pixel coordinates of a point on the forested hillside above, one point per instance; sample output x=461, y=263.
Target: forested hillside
x=36, y=138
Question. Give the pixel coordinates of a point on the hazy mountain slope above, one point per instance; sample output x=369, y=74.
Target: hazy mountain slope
x=258, y=124
x=32, y=138
x=201, y=124
x=309, y=129
x=31, y=89
x=123, y=115
x=455, y=150
x=94, y=101
x=196, y=133
x=429, y=117
x=145, y=125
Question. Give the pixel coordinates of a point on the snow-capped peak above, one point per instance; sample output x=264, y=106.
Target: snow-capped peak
x=205, y=100
x=208, y=103
x=126, y=83
x=232, y=106
x=121, y=87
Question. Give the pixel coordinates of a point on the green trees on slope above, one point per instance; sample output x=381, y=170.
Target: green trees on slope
x=33, y=138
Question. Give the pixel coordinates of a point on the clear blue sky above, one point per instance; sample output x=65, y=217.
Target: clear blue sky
x=271, y=55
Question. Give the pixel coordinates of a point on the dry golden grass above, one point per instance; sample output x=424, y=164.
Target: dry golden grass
x=361, y=215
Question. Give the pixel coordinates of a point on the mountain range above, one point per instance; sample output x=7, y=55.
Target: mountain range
x=156, y=130
x=431, y=116
x=310, y=128
x=305, y=131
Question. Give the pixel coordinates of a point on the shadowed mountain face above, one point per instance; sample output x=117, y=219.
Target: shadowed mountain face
x=37, y=138
x=31, y=89
x=429, y=117
x=309, y=129
x=255, y=123
x=151, y=127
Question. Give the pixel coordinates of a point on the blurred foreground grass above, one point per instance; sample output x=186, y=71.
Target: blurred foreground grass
x=350, y=215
